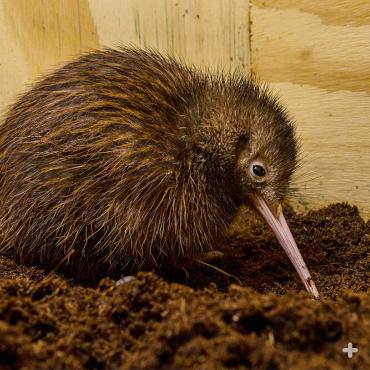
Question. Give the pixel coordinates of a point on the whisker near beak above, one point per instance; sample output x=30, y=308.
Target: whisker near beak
x=282, y=232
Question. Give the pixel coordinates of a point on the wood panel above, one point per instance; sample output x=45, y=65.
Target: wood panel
x=204, y=33
x=316, y=55
x=38, y=35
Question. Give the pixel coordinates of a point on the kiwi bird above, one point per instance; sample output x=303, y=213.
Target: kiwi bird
x=133, y=160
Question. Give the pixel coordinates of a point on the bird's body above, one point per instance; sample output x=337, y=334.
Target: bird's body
x=134, y=160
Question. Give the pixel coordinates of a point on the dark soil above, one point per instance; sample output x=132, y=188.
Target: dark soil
x=202, y=318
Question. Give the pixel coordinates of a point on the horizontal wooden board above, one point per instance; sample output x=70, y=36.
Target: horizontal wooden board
x=318, y=59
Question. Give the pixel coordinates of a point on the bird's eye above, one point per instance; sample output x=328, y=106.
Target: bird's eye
x=258, y=169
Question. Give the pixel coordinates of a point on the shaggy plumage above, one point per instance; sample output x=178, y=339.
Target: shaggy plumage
x=134, y=160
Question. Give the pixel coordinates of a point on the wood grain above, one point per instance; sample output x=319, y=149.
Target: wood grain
x=316, y=55
x=203, y=33
x=37, y=36
x=318, y=59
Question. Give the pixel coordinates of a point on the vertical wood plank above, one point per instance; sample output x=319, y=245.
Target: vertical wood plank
x=39, y=35
x=203, y=33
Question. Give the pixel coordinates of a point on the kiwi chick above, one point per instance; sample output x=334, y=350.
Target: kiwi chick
x=134, y=161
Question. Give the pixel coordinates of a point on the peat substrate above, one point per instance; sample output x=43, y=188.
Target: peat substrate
x=200, y=317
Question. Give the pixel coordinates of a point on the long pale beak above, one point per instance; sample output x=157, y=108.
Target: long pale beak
x=281, y=230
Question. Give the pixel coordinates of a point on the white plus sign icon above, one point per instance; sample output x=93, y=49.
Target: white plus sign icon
x=350, y=350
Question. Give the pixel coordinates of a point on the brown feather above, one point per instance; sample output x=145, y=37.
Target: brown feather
x=130, y=158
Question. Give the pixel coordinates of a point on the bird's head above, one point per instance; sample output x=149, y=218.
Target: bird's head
x=251, y=143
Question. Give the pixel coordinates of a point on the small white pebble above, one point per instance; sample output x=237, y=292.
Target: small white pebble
x=124, y=280
x=271, y=338
x=235, y=318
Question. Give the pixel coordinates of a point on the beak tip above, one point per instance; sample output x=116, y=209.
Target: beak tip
x=281, y=229
x=311, y=287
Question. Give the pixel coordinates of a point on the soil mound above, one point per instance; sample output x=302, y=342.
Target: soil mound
x=202, y=318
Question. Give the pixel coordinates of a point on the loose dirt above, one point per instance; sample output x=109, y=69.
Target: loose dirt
x=201, y=318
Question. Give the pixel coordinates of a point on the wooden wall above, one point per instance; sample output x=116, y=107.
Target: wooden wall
x=39, y=35
x=316, y=55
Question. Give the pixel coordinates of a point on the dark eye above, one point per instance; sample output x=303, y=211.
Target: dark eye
x=258, y=169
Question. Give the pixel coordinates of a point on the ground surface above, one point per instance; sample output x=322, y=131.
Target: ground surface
x=209, y=321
